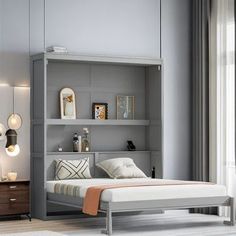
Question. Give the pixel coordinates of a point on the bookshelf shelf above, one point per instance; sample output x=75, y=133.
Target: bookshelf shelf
x=98, y=152
x=89, y=122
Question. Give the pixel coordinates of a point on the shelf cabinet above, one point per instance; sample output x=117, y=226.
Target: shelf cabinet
x=94, y=79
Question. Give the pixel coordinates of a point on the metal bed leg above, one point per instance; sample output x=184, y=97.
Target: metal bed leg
x=232, y=213
x=108, y=229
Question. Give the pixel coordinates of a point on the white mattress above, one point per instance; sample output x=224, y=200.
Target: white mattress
x=143, y=193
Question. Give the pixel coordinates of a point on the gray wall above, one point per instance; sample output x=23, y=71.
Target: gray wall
x=116, y=27
x=105, y=27
x=129, y=28
x=176, y=43
x=14, y=42
x=108, y=27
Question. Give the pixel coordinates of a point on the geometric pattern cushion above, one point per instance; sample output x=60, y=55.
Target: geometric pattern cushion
x=72, y=169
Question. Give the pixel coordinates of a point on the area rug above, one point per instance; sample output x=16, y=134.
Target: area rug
x=36, y=233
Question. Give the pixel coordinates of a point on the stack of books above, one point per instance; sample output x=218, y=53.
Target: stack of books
x=57, y=49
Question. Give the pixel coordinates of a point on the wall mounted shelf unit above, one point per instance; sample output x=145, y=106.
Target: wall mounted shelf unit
x=94, y=79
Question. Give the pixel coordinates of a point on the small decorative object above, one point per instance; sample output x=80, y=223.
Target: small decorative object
x=77, y=143
x=12, y=176
x=125, y=107
x=57, y=49
x=12, y=148
x=85, y=141
x=2, y=132
x=100, y=111
x=131, y=146
x=59, y=148
x=153, y=172
x=67, y=104
x=4, y=178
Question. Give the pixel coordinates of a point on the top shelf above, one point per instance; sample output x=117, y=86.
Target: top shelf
x=139, y=61
x=97, y=122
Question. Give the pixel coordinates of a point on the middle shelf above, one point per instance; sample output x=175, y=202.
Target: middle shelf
x=97, y=122
x=98, y=152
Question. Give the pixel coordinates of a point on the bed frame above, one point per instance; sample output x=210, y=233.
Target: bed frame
x=151, y=205
x=143, y=160
x=169, y=204
x=135, y=206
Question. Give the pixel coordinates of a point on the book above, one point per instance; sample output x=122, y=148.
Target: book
x=57, y=49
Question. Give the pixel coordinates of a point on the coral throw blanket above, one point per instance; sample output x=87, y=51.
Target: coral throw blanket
x=93, y=194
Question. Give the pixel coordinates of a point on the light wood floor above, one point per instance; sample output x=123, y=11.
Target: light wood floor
x=168, y=224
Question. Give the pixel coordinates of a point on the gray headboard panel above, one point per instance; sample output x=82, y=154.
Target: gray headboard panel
x=141, y=158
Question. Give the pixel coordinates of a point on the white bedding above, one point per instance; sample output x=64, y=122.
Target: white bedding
x=142, y=193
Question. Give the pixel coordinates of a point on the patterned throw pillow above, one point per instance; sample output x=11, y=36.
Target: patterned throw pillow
x=121, y=168
x=72, y=169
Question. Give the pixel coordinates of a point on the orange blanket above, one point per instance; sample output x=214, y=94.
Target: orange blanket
x=93, y=194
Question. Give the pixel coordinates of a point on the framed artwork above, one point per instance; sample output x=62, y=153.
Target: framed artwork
x=125, y=107
x=67, y=104
x=100, y=111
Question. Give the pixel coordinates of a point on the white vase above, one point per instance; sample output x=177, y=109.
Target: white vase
x=69, y=109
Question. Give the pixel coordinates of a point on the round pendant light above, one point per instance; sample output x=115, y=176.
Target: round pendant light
x=2, y=132
x=14, y=121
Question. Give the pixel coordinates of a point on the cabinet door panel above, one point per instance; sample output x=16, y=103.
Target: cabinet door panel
x=14, y=209
x=14, y=187
x=14, y=197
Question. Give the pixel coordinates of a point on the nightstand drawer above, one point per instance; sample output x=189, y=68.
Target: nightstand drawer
x=13, y=187
x=14, y=196
x=14, y=209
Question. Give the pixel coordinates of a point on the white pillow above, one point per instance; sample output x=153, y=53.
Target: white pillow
x=72, y=169
x=119, y=168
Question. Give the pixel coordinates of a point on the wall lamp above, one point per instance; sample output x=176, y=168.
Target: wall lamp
x=12, y=148
x=14, y=122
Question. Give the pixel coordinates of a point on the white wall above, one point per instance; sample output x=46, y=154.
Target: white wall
x=176, y=48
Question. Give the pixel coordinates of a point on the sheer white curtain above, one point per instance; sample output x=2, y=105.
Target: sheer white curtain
x=222, y=95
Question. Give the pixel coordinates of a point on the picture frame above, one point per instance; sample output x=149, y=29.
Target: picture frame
x=100, y=111
x=67, y=103
x=125, y=107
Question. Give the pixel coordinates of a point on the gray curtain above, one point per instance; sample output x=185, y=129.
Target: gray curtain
x=200, y=87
